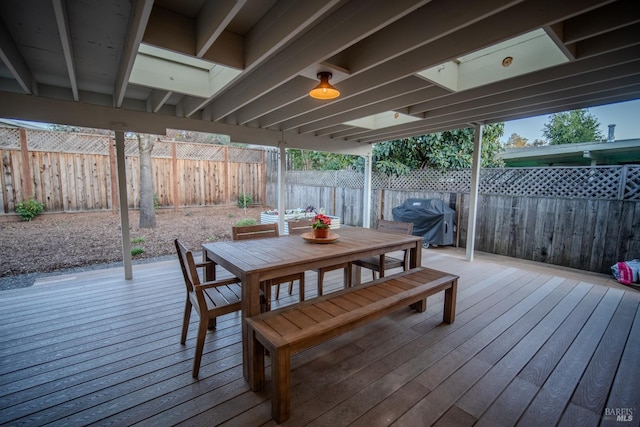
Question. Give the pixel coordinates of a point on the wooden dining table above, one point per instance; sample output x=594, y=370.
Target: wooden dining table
x=254, y=261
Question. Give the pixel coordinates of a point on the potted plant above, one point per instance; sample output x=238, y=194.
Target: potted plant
x=320, y=226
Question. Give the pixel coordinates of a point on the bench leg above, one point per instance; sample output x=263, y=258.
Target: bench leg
x=420, y=306
x=256, y=358
x=450, y=302
x=281, y=385
x=356, y=275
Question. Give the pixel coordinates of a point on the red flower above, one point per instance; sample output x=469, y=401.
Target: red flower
x=321, y=221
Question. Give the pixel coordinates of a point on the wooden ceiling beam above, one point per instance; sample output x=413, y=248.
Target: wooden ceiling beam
x=402, y=101
x=212, y=20
x=13, y=60
x=584, y=80
x=289, y=119
x=138, y=20
x=62, y=20
x=569, y=69
x=413, y=33
x=283, y=22
x=522, y=86
x=521, y=18
x=341, y=29
x=602, y=20
x=563, y=101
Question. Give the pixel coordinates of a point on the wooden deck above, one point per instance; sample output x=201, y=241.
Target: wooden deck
x=531, y=345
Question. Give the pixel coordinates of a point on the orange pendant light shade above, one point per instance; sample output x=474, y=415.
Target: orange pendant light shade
x=324, y=90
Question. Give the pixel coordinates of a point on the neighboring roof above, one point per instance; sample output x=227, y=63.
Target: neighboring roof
x=244, y=67
x=621, y=152
x=8, y=123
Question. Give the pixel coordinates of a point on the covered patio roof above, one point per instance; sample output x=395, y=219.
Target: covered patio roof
x=244, y=67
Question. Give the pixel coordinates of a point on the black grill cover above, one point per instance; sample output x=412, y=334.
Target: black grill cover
x=431, y=218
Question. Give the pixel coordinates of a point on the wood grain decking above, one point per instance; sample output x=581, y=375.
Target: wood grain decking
x=531, y=345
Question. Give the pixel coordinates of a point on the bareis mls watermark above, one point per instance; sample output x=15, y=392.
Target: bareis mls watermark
x=618, y=414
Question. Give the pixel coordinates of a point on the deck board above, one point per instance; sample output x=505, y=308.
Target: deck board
x=531, y=344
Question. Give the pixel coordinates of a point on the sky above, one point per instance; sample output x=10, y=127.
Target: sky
x=625, y=115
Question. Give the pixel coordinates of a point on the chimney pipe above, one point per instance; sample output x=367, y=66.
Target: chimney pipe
x=611, y=136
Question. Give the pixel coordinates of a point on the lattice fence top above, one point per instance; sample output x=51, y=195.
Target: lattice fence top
x=162, y=149
x=631, y=187
x=599, y=182
x=9, y=138
x=245, y=155
x=79, y=143
x=319, y=178
x=427, y=179
x=579, y=182
x=198, y=152
x=65, y=142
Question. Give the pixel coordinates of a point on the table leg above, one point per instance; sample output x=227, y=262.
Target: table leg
x=415, y=255
x=209, y=269
x=250, y=307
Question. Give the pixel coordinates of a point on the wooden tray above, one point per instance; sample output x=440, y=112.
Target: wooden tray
x=309, y=237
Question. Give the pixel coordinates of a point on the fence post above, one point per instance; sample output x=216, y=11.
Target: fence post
x=26, y=166
x=175, y=186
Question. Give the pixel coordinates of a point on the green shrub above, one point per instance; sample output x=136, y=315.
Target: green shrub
x=156, y=201
x=137, y=240
x=245, y=222
x=244, y=200
x=137, y=251
x=29, y=209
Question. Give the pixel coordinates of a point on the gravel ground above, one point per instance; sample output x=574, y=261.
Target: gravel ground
x=54, y=244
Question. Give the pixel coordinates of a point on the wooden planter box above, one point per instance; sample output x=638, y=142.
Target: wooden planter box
x=269, y=218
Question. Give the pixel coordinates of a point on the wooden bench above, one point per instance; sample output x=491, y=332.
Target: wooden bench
x=289, y=330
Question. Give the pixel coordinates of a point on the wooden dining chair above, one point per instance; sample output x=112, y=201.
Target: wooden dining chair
x=263, y=231
x=210, y=299
x=383, y=262
x=305, y=226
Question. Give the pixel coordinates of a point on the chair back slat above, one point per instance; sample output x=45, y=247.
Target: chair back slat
x=188, y=266
x=300, y=226
x=259, y=231
x=397, y=227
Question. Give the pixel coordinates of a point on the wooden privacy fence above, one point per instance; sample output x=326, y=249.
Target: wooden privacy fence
x=77, y=172
x=580, y=217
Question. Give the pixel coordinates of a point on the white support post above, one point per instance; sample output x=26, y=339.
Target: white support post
x=124, y=205
x=282, y=173
x=473, y=192
x=366, y=205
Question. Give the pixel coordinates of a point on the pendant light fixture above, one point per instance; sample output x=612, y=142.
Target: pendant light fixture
x=324, y=90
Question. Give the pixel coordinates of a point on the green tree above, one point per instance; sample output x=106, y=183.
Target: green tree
x=516, y=141
x=571, y=127
x=318, y=160
x=450, y=150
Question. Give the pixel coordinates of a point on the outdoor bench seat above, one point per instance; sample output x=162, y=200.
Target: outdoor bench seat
x=291, y=329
